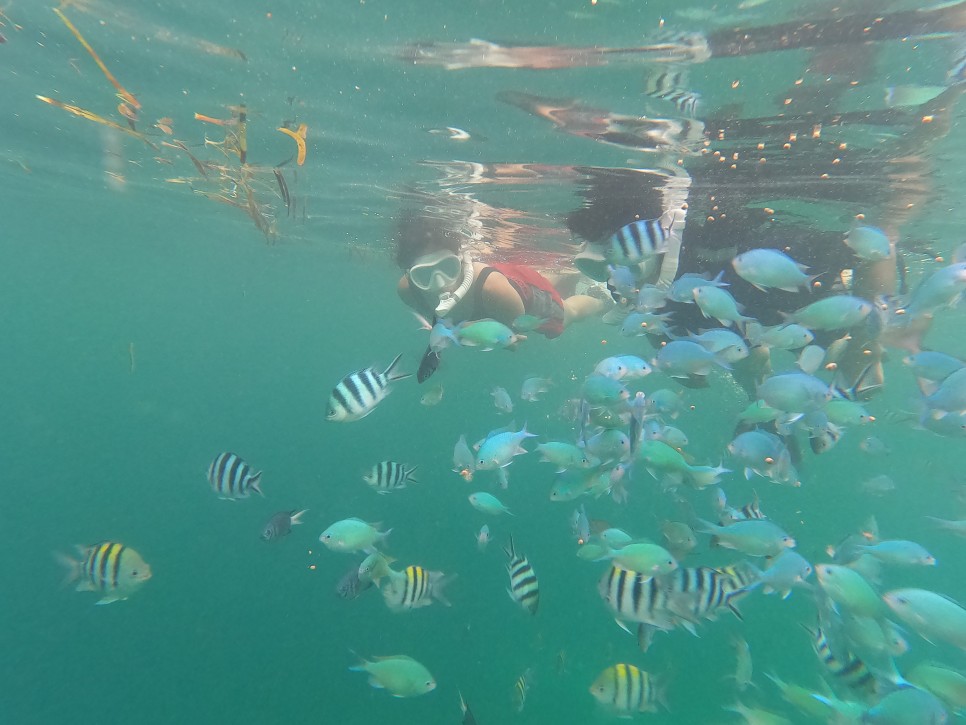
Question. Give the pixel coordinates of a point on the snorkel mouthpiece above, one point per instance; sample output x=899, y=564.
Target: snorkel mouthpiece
x=449, y=300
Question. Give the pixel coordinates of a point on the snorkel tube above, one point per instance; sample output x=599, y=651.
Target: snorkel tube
x=449, y=300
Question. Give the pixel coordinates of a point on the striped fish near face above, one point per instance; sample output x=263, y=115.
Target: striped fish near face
x=524, y=587
x=231, y=478
x=113, y=569
x=414, y=587
x=636, y=242
x=358, y=393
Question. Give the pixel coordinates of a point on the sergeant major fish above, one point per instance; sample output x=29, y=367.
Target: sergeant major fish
x=231, y=478
x=358, y=393
x=524, y=587
x=109, y=568
x=388, y=476
x=414, y=587
x=626, y=689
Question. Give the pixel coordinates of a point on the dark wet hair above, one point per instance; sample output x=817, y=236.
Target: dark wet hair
x=614, y=198
x=415, y=233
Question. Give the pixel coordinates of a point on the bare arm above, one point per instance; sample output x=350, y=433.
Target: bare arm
x=500, y=300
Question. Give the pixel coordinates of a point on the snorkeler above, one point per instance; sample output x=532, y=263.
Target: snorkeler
x=443, y=281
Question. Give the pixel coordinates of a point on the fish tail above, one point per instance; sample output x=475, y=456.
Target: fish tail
x=254, y=484
x=390, y=375
x=297, y=517
x=508, y=549
x=362, y=663
x=71, y=565
x=441, y=582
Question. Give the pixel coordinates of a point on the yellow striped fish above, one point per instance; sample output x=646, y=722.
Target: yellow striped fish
x=113, y=569
x=414, y=587
x=520, y=689
x=524, y=587
x=628, y=689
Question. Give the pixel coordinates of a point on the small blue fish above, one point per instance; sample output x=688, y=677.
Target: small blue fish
x=869, y=243
x=499, y=449
x=533, y=388
x=837, y=312
x=501, y=399
x=684, y=358
x=770, y=268
x=719, y=304
x=682, y=289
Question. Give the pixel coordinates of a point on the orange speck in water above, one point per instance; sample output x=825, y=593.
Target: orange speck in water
x=927, y=119
x=832, y=366
x=735, y=84
x=769, y=459
x=312, y=567
x=603, y=342
x=940, y=260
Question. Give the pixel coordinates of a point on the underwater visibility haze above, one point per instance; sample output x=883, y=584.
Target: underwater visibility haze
x=483, y=362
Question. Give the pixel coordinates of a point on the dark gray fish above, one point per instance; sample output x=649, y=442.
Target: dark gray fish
x=468, y=718
x=350, y=586
x=281, y=524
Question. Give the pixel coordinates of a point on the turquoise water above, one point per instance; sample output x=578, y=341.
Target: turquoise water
x=147, y=328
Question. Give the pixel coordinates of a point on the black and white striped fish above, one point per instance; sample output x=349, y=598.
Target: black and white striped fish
x=112, y=569
x=671, y=85
x=845, y=667
x=358, y=393
x=681, y=598
x=637, y=241
x=701, y=592
x=281, y=524
x=231, y=478
x=414, y=587
x=388, y=476
x=524, y=587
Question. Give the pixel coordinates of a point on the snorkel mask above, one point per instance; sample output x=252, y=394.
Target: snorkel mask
x=436, y=273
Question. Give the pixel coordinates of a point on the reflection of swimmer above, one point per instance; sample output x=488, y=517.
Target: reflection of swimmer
x=837, y=30
x=443, y=281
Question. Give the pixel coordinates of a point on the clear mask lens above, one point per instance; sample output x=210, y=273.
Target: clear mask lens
x=436, y=273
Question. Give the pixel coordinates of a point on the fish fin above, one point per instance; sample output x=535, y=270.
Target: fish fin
x=254, y=483
x=689, y=626
x=438, y=586
x=390, y=375
x=623, y=626
x=73, y=567
x=109, y=599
